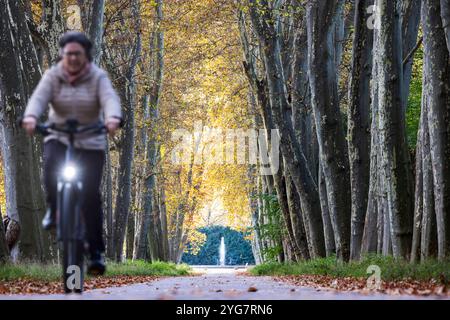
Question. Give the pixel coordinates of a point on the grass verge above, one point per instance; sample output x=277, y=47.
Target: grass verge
x=391, y=269
x=52, y=272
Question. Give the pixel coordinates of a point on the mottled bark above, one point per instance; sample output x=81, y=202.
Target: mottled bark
x=274, y=184
x=151, y=230
x=437, y=70
x=127, y=92
x=50, y=28
x=428, y=224
x=143, y=223
x=372, y=224
x=130, y=235
x=19, y=74
x=95, y=29
x=257, y=190
x=155, y=233
x=272, y=96
x=321, y=18
x=424, y=232
x=279, y=182
x=330, y=245
x=371, y=233
x=123, y=199
x=305, y=133
x=445, y=16
x=339, y=38
x=107, y=204
x=395, y=163
x=262, y=215
x=410, y=28
x=92, y=13
x=163, y=215
x=178, y=235
x=297, y=223
x=280, y=187
x=419, y=191
x=359, y=124
x=255, y=213
x=93, y=26
x=147, y=222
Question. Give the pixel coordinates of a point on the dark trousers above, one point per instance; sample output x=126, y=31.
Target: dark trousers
x=90, y=168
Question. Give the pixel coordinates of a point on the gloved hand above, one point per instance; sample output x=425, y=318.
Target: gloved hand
x=112, y=124
x=29, y=124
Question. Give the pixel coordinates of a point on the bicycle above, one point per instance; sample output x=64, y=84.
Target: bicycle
x=70, y=228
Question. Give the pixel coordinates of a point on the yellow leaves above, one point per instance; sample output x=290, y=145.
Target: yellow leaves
x=203, y=82
x=152, y=3
x=36, y=10
x=231, y=184
x=196, y=240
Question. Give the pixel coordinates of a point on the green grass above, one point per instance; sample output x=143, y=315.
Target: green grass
x=391, y=269
x=33, y=271
x=52, y=272
x=143, y=268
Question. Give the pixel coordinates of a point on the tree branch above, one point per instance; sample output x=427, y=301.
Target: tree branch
x=411, y=53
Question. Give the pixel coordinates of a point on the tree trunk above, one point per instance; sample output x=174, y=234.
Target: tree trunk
x=275, y=107
x=297, y=223
x=123, y=199
x=372, y=235
x=50, y=29
x=396, y=174
x=19, y=74
x=445, y=15
x=163, y=215
x=255, y=212
x=128, y=96
x=157, y=68
x=437, y=70
x=419, y=191
x=93, y=26
x=147, y=222
x=305, y=133
x=410, y=28
x=359, y=125
x=107, y=204
x=428, y=223
x=4, y=252
x=95, y=30
x=155, y=232
x=330, y=245
x=321, y=17
x=130, y=235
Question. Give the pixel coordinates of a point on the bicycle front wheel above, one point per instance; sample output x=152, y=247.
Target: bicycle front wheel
x=72, y=242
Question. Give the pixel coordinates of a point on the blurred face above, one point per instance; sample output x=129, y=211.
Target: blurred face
x=74, y=57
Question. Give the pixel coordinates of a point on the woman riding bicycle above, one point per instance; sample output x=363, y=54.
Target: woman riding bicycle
x=77, y=89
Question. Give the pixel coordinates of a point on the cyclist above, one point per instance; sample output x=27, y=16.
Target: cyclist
x=76, y=89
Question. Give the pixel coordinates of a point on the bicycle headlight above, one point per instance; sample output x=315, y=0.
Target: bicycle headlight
x=69, y=172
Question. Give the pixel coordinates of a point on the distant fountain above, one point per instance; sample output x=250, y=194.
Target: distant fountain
x=222, y=252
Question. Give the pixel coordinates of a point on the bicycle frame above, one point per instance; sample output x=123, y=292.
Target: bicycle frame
x=64, y=231
x=77, y=221
x=69, y=217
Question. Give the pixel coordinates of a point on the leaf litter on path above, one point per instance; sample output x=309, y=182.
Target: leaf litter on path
x=29, y=286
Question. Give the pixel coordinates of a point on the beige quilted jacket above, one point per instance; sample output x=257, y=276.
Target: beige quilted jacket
x=90, y=99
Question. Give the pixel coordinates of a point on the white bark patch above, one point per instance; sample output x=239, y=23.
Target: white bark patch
x=74, y=19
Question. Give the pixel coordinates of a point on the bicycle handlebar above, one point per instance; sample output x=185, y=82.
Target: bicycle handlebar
x=70, y=128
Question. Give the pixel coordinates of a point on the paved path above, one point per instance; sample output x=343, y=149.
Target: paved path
x=213, y=284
